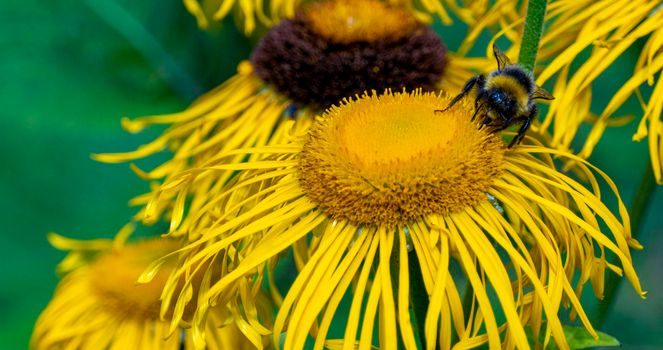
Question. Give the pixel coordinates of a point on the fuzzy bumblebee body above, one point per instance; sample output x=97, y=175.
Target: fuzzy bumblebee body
x=504, y=97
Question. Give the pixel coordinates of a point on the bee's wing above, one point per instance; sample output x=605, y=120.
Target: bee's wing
x=502, y=60
x=542, y=94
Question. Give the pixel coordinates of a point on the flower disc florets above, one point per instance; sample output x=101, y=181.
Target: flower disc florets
x=337, y=49
x=391, y=159
x=113, y=278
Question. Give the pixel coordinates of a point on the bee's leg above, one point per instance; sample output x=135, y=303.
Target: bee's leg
x=479, y=79
x=478, y=105
x=486, y=121
x=477, y=108
x=506, y=122
x=527, y=120
x=521, y=133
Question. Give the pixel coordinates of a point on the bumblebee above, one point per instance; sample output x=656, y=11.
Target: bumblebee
x=504, y=97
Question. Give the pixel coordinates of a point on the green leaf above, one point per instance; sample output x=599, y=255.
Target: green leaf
x=577, y=337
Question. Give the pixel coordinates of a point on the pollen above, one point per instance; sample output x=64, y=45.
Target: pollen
x=347, y=21
x=114, y=276
x=394, y=158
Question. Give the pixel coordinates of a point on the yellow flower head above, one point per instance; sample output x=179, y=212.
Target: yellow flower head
x=380, y=176
x=99, y=305
x=367, y=162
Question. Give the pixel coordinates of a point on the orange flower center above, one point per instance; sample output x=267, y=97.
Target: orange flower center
x=391, y=159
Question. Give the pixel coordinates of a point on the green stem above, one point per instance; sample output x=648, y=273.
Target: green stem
x=529, y=46
x=639, y=208
x=394, y=268
x=418, y=296
x=124, y=23
x=468, y=297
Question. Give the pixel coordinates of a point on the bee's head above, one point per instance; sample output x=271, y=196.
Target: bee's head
x=502, y=101
x=498, y=97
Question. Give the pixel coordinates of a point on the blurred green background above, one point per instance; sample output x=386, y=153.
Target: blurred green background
x=70, y=69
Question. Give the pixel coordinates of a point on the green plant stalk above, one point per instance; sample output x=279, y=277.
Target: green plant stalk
x=639, y=207
x=468, y=298
x=125, y=24
x=394, y=267
x=529, y=46
x=418, y=296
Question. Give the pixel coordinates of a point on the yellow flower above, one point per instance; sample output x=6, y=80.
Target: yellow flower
x=328, y=51
x=98, y=304
x=206, y=11
x=381, y=175
x=609, y=32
